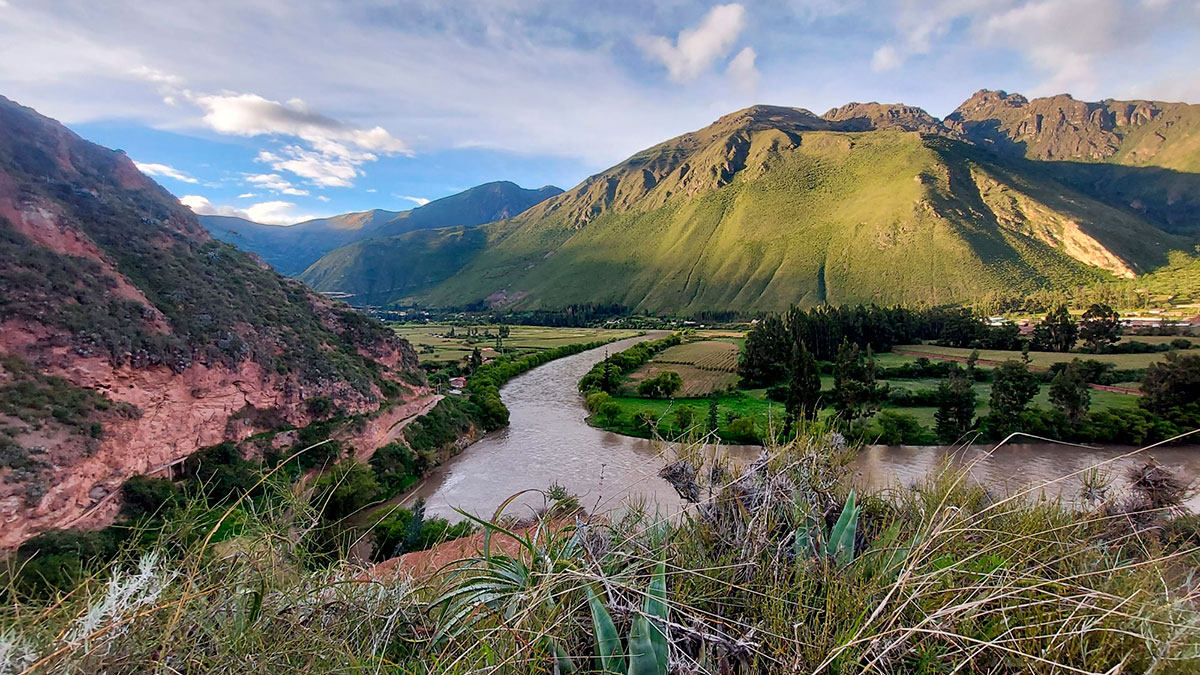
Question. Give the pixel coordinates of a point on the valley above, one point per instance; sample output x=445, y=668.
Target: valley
x=784, y=351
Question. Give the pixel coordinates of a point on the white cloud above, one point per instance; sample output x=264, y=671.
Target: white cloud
x=276, y=183
x=253, y=115
x=247, y=195
x=276, y=212
x=695, y=49
x=886, y=58
x=152, y=169
x=320, y=168
x=742, y=70
x=420, y=201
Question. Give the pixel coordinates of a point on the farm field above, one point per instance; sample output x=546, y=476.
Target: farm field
x=432, y=343
x=704, y=367
x=1039, y=359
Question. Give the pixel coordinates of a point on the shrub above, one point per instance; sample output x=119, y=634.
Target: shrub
x=663, y=385
x=143, y=496
x=896, y=428
x=346, y=489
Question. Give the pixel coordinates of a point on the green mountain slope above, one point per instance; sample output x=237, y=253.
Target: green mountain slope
x=770, y=206
x=395, y=269
x=293, y=248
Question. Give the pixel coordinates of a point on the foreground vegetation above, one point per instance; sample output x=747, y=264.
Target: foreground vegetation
x=778, y=566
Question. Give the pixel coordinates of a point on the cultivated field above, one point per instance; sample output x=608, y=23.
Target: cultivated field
x=703, y=366
x=1039, y=359
x=433, y=344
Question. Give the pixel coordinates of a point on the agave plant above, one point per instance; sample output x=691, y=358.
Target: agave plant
x=838, y=543
x=646, y=651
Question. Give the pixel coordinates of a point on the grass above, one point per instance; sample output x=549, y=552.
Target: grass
x=431, y=342
x=940, y=578
x=1040, y=359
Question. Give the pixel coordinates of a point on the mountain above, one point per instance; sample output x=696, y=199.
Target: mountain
x=293, y=248
x=1060, y=128
x=395, y=269
x=1139, y=155
x=770, y=206
x=129, y=337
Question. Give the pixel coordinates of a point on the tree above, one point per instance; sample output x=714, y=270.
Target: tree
x=762, y=360
x=663, y=385
x=956, y=407
x=1057, y=332
x=1069, y=392
x=350, y=486
x=896, y=427
x=1013, y=387
x=804, y=387
x=853, y=382
x=609, y=412
x=1100, y=327
x=972, y=359
x=1171, y=388
x=476, y=359
x=714, y=416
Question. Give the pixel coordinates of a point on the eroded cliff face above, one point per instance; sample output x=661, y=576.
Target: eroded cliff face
x=167, y=416
x=129, y=338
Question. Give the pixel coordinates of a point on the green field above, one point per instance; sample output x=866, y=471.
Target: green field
x=754, y=404
x=1039, y=359
x=432, y=343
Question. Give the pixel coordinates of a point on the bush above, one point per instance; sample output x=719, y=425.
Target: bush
x=597, y=400
x=896, y=428
x=346, y=489
x=407, y=530
x=663, y=385
x=221, y=472
x=143, y=496
x=743, y=430
x=58, y=560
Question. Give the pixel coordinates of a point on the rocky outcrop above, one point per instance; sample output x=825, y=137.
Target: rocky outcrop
x=876, y=116
x=1061, y=128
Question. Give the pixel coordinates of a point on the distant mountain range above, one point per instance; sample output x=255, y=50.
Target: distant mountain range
x=291, y=249
x=867, y=203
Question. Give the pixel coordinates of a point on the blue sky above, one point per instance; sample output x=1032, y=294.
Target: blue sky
x=286, y=109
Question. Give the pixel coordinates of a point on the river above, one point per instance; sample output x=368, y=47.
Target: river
x=548, y=441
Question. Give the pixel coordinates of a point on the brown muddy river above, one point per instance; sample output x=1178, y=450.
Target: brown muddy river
x=548, y=441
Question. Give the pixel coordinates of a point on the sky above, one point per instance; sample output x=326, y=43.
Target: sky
x=284, y=110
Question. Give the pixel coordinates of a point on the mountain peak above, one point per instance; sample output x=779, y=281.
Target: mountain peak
x=872, y=116
x=770, y=116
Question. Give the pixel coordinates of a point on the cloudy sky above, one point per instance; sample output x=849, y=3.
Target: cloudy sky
x=287, y=109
